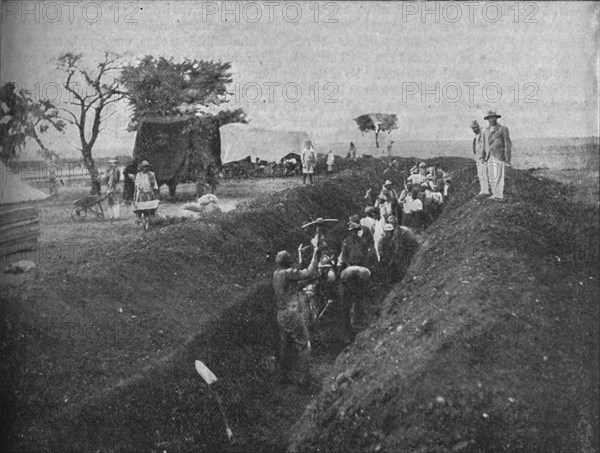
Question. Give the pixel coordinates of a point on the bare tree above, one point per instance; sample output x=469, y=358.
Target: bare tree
x=96, y=93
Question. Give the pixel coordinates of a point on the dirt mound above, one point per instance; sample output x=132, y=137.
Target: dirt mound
x=489, y=344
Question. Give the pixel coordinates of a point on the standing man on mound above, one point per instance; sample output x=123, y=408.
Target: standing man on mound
x=484, y=189
x=497, y=148
x=294, y=342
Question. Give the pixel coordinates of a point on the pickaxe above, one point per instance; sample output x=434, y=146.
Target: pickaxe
x=319, y=223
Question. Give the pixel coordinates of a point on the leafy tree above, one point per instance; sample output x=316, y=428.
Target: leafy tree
x=377, y=122
x=89, y=102
x=22, y=118
x=162, y=87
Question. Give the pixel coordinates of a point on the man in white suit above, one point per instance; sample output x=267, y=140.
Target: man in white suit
x=497, y=148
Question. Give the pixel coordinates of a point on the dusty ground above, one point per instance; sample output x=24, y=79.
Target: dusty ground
x=98, y=349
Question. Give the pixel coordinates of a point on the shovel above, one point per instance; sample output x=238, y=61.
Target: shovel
x=210, y=378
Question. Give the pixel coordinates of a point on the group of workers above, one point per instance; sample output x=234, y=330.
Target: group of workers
x=376, y=245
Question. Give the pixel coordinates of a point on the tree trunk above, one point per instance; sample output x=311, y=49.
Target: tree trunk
x=377, y=139
x=89, y=163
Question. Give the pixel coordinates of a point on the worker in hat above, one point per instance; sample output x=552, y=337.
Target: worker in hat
x=496, y=153
x=389, y=247
x=448, y=189
x=416, y=178
x=294, y=341
x=354, y=261
x=326, y=288
x=146, y=188
x=112, y=178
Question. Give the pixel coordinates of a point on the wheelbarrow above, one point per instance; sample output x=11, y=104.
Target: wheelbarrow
x=144, y=210
x=92, y=205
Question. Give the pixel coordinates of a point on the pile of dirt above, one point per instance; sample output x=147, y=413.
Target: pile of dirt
x=489, y=344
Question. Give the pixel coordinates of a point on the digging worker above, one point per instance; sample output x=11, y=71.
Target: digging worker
x=356, y=257
x=294, y=341
x=146, y=188
x=496, y=152
x=112, y=180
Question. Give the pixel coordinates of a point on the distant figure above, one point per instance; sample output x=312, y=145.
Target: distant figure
x=389, y=148
x=448, y=189
x=330, y=161
x=112, y=180
x=484, y=189
x=497, y=148
x=129, y=173
x=309, y=159
x=352, y=151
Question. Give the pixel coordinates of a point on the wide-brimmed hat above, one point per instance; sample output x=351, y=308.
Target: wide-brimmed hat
x=475, y=123
x=369, y=210
x=388, y=183
x=492, y=113
x=422, y=164
x=144, y=164
x=388, y=227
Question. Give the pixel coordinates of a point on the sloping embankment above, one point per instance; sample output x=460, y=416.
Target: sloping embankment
x=490, y=343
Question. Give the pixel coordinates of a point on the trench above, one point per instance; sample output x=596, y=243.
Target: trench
x=170, y=408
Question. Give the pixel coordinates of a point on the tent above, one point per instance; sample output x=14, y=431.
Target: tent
x=239, y=141
x=14, y=190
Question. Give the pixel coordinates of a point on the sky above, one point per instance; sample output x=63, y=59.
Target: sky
x=314, y=66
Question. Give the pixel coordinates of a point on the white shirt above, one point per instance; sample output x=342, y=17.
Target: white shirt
x=416, y=179
x=412, y=206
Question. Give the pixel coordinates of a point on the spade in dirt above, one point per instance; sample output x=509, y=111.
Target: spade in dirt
x=210, y=378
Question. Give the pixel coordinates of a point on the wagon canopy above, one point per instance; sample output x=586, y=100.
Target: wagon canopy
x=239, y=141
x=171, y=144
x=164, y=143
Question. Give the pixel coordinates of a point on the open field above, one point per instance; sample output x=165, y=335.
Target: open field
x=98, y=344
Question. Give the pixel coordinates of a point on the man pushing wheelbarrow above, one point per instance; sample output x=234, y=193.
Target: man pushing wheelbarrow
x=145, y=199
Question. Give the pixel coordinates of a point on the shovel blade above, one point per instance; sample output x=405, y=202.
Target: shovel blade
x=205, y=372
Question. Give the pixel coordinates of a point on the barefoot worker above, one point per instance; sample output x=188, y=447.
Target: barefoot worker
x=497, y=148
x=294, y=342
